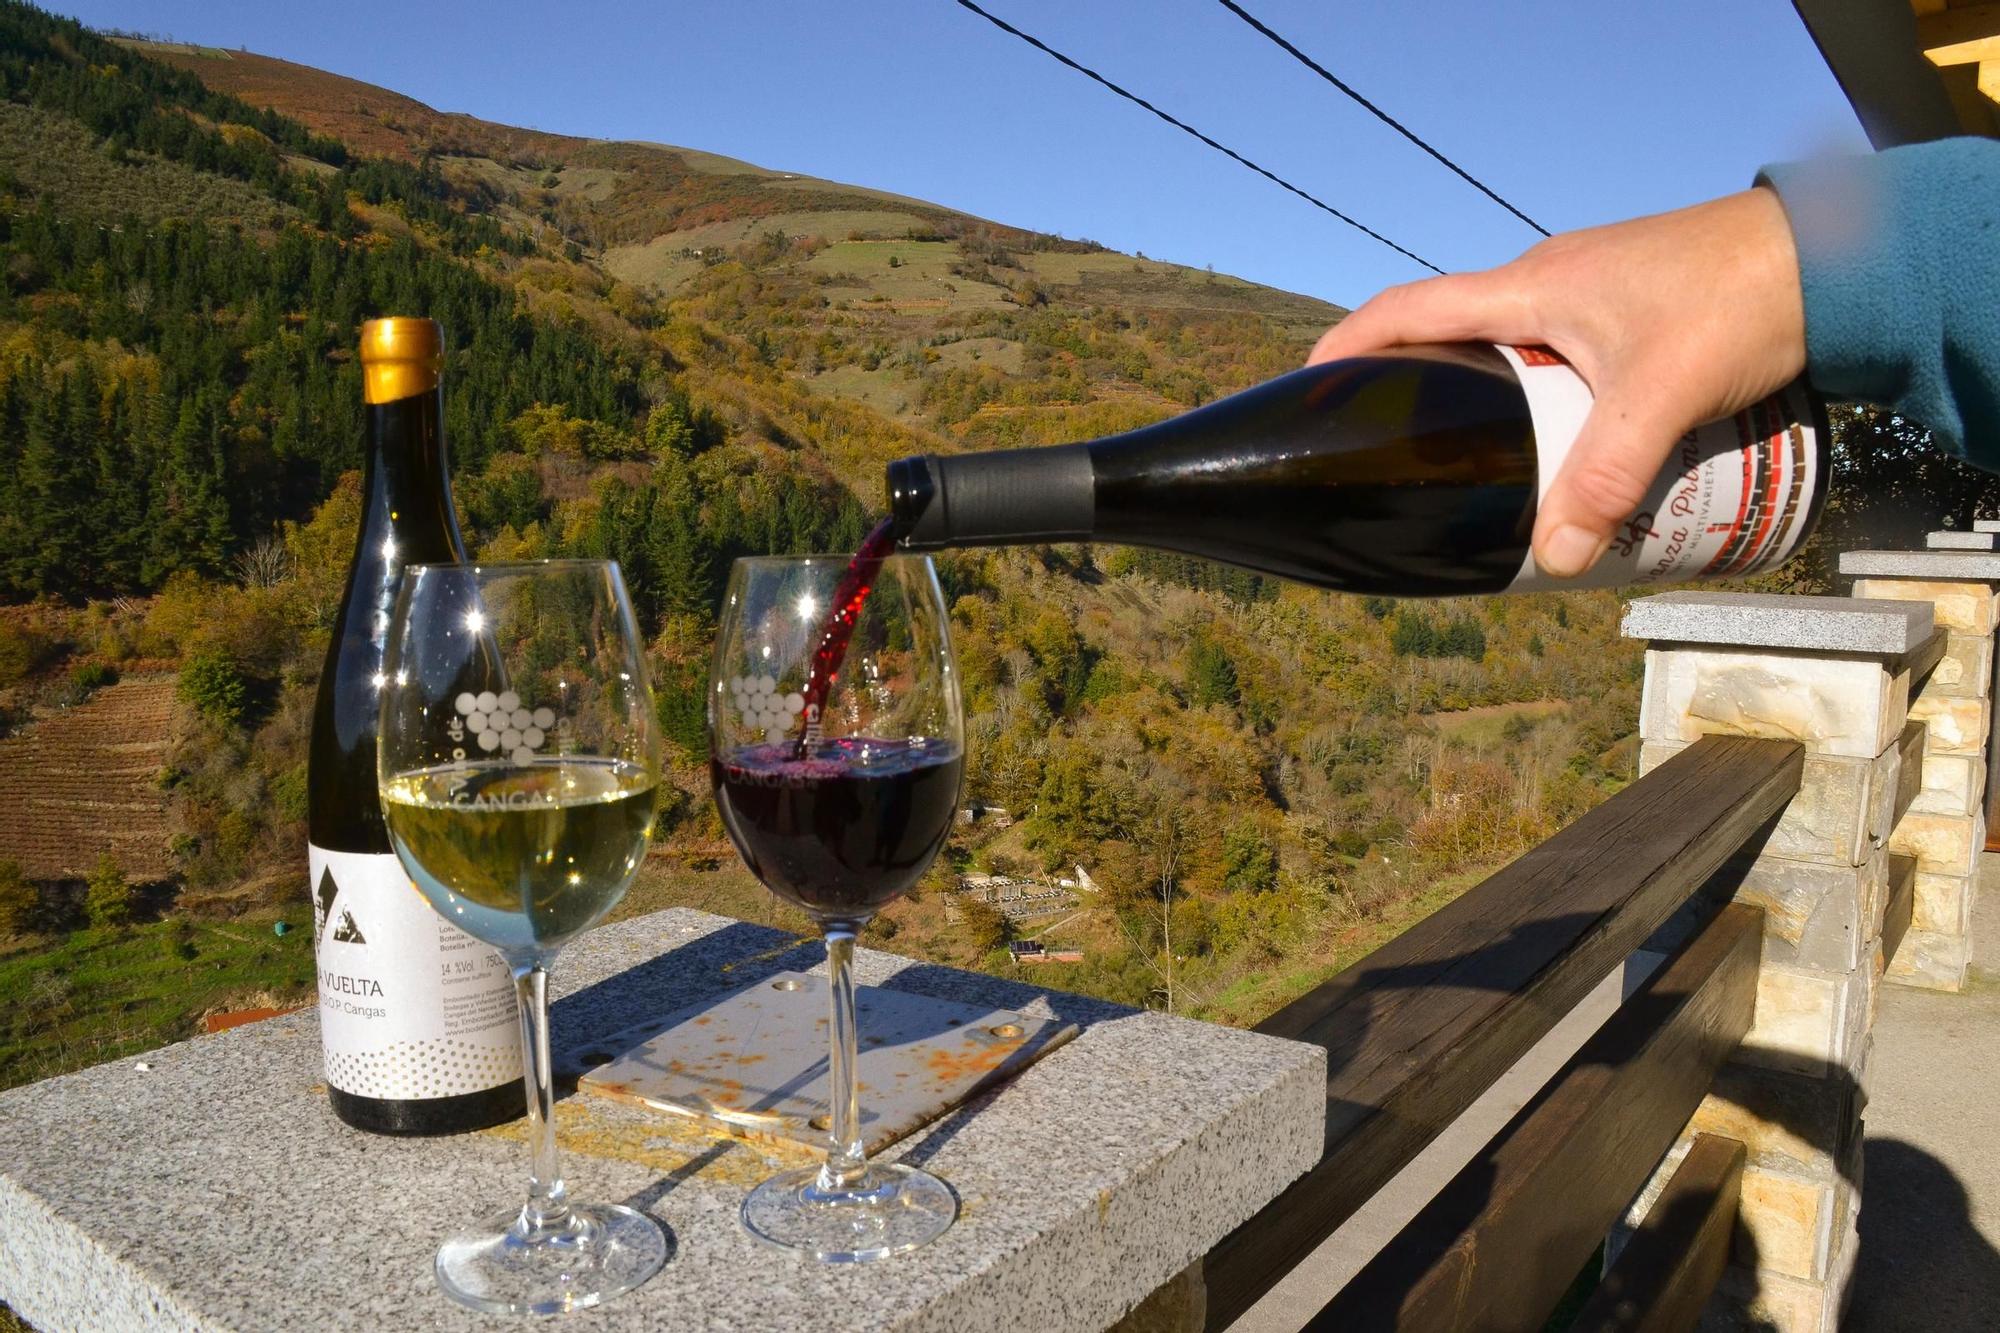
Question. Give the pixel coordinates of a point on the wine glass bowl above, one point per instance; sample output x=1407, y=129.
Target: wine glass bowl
x=836, y=752
x=518, y=766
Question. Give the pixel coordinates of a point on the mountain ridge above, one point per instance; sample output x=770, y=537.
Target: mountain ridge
x=380, y=120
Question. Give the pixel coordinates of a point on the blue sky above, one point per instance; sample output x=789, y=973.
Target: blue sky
x=1578, y=112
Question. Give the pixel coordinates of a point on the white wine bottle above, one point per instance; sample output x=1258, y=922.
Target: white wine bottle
x=418, y=1018
x=1412, y=473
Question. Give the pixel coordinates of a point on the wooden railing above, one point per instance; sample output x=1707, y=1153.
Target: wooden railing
x=1416, y=1032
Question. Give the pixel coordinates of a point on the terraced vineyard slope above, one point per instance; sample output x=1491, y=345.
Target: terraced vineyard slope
x=85, y=781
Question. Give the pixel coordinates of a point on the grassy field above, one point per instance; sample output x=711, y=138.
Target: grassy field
x=885, y=390
x=105, y=993
x=1485, y=728
x=1255, y=998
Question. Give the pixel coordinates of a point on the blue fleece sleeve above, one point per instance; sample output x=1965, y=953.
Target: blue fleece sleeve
x=1899, y=256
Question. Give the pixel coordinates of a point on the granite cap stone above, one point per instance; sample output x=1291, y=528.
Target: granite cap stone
x=1956, y=540
x=1986, y=525
x=211, y=1188
x=1971, y=566
x=1850, y=625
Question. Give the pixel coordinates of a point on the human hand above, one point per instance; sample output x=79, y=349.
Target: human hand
x=1673, y=320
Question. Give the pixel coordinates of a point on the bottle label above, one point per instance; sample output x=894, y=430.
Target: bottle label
x=1732, y=499
x=410, y=1006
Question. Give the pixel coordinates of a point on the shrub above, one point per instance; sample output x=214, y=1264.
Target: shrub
x=22, y=651
x=19, y=903
x=107, y=895
x=212, y=685
x=179, y=942
x=85, y=679
x=182, y=612
x=288, y=792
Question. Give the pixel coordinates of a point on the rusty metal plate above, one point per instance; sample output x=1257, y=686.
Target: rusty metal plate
x=754, y=1064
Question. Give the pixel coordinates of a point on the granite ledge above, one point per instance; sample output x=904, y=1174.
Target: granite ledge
x=1850, y=626
x=1956, y=539
x=1930, y=566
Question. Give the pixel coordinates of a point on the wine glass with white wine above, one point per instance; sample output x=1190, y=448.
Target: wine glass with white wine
x=518, y=764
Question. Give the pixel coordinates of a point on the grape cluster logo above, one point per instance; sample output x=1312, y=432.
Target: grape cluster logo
x=497, y=723
x=762, y=708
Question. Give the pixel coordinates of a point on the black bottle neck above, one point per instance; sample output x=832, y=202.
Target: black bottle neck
x=1072, y=492
x=406, y=519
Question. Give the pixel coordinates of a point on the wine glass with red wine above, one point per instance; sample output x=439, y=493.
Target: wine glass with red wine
x=836, y=747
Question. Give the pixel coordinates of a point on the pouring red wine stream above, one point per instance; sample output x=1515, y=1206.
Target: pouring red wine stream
x=849, y=596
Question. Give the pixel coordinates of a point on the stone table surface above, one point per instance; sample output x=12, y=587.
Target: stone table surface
x=215, y=1190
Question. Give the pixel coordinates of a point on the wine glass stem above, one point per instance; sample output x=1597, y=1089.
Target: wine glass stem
x=846, y=1157
x=547, y=1209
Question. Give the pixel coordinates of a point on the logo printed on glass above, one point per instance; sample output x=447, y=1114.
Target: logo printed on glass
x=498, y=723
x=762, y=708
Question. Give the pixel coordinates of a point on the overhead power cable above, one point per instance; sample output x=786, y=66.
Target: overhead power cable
x=1186, y=128
x=1377, y=112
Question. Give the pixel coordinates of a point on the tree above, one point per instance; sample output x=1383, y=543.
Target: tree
x=1250, y=863
x=107, y=895
x=321, y=548
x=1061, y=659
x=1211, y=676
x=986, y=929
x=190, y=517
x=19, y=902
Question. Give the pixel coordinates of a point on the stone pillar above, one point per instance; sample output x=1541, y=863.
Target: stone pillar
x=1833, y=673
x=1945, y=829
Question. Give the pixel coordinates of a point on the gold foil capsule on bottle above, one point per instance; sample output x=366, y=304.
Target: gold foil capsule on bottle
x=400, y=357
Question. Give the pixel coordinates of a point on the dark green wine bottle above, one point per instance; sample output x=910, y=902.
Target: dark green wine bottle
x=1410, y=473
x=418, y=1019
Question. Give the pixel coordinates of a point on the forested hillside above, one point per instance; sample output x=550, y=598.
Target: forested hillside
x=672, y=359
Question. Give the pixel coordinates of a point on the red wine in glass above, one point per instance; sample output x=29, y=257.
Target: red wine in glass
x=844, y=827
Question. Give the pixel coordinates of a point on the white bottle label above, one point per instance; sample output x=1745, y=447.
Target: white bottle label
x=1732, y=499
x=410, y=1006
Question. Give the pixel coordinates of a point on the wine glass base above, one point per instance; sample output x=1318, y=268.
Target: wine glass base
x=499, y=1268
x=893, y=1208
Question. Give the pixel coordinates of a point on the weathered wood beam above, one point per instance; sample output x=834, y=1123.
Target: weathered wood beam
x=1871, y=48
x=1962, y=36
x=1496, y=1249
x=1662, y=1281
x=1416, y=1031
